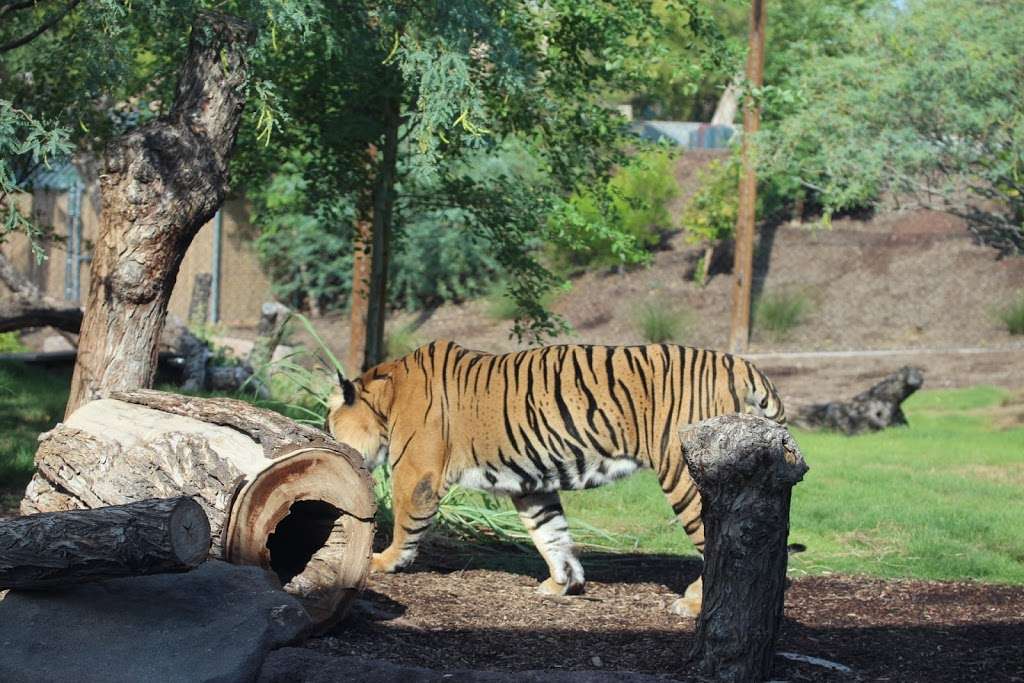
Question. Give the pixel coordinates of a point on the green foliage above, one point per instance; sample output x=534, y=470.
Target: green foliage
x=623, y=219
x=779, y=313
x=10, y=342
x=1012, y=315
x=31, y=401
x=401, y=341
x=923, y=104
x=659, y=323
x=710, y=215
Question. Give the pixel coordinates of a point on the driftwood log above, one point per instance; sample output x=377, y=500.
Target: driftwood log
x=157, y=536
x=870, y=411
x=278, y=494
x=744, y=467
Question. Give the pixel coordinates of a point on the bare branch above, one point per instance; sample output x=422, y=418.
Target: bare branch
x=43, y=28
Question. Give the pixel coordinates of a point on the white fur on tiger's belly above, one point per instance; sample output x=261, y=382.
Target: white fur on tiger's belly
x=508, y=482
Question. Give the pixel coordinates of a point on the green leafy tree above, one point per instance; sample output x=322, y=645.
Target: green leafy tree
x=924, y=108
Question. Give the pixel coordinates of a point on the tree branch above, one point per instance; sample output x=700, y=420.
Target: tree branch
x=43, y=28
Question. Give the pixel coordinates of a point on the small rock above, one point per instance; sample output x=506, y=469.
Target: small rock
x=596, y=661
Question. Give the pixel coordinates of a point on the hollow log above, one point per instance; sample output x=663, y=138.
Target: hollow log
x=870, y=411
x=744, y=468
x=157, y=536
x=278, y=494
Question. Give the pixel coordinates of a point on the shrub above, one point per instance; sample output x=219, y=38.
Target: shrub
x=401, y=341
x=659, y=323
x=631, y=204
x=710, y=216
x=10, y=342
x=1013, y=315
x=779, y=313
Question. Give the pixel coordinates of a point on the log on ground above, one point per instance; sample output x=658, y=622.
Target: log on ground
x=870, y=411
x=278, y=494
x=51, y=549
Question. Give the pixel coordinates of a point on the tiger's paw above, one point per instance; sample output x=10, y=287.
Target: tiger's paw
x=552, y=587
x=686, y=607
x=381, y=563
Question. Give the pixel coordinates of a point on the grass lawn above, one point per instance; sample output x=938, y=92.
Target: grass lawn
x=32, y=400
x=940, y=499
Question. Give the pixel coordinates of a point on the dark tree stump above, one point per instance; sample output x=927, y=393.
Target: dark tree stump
x=273, y=318
x=870, y=411
x=744, y=467
x=156, y=536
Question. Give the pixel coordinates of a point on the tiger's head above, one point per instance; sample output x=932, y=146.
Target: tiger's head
x=762, y=399
x=358, y=414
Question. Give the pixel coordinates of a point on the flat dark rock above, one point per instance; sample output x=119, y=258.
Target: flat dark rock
x=215, y=623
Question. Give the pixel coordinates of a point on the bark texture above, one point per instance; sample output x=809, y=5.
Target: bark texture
x=154, y=536
x=29, y=308
x=199, y=303
x=278, y=494
x=870, y=411
x=273, y=318
x=161, y=182
x=744, y=467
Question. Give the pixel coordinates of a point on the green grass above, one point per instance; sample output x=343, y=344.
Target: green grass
x=1012, y=315
x=32, y=400
x=658, y=323
x=939, y=499
x=778, y=313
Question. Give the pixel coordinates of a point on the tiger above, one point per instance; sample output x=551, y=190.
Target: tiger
x=535, y=422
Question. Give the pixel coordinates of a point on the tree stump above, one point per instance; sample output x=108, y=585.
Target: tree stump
x=157, y=536
x=870, y=411
x=744, y=467
x=278, y=494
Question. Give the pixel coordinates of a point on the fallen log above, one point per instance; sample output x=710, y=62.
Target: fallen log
x=870, y=411
x=157, y=536
x=744, y=468
x=278, y=494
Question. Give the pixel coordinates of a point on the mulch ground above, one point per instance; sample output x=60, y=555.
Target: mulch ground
x=452, y=613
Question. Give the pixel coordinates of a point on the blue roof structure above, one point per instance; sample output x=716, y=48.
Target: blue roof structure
x=59, y=175
x=686, y=134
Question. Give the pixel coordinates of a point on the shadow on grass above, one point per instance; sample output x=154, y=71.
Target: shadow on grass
x=32, y=400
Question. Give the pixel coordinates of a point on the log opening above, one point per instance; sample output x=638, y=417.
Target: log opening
x=296, y=538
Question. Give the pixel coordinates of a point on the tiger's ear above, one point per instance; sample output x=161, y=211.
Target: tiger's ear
x=348, y=390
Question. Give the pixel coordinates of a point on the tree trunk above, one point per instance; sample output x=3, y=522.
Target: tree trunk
x=156, y=536
x=29, y=308
x=870, y=411
x=728, y=104
x=161, y=182
x=273, y=319
x=199, y=305
x=278, y=494
x=356, y=357
x=744, y=467
x=383, y=206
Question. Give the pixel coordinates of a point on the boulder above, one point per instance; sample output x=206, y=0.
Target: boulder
x=216, y=623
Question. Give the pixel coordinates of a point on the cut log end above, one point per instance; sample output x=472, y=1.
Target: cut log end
x=189, y=532
x=309, y=518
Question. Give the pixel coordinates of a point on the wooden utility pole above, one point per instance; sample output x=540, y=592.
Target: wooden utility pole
x=743, y=266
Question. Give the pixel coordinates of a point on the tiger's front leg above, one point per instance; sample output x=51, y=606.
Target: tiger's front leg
x=415, y=498
x=543, y=517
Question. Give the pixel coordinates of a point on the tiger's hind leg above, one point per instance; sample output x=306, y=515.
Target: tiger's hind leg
x=682, y=495
x=544, y=518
